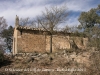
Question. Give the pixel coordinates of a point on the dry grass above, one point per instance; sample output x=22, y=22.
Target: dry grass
x=51, y=64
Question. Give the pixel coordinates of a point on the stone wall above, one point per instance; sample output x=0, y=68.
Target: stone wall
x=30, y=41
x=58, y=42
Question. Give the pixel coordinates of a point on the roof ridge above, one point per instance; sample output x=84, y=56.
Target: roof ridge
x=30, y=28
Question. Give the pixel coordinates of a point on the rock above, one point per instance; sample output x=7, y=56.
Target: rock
x=86, y=54
x=38, y=58
x=44, y=55
x=34, y=54
x=73, y=55
x=29, y=59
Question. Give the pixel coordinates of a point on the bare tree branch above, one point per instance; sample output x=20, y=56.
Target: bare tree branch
x=51, y=18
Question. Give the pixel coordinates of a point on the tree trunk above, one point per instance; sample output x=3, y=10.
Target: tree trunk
x=51, y=43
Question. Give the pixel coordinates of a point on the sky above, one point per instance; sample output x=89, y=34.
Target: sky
x=32, y=8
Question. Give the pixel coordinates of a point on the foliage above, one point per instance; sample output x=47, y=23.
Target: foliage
x=89, y=19
x=3, y=25
x=90, y=22
x=75, y=31
x=1, y=56
x=8, y=35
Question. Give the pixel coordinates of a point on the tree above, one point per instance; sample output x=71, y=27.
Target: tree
x=8, y=35
x=3, y=25
x=24, y=21
x=90, y=22
x=89, y=19
x=27, y=22
x=51, y=18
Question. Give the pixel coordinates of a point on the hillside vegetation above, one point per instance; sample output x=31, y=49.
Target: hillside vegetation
x=66, y=62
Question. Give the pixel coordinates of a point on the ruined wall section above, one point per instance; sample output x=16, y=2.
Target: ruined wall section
x=81, y=42
x=59, y=42
x=28, y=41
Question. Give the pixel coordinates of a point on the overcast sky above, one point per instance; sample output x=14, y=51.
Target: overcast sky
x=31, y=8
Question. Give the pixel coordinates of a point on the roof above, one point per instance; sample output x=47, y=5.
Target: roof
x=39, y=29
x=29, y=28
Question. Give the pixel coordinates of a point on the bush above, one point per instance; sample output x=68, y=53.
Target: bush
x=1, y=56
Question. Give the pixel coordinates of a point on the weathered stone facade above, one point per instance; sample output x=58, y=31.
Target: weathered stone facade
x=27, y=39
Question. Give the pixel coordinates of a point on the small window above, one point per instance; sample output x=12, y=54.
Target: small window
x=21, y=32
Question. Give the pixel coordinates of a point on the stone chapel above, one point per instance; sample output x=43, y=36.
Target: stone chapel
x=29, y=39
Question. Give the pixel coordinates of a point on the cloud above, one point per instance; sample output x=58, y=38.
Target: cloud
x=78, y=5
x=31, y=8
x=23, y=9
x=73, y=21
